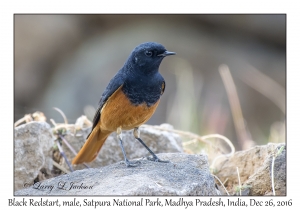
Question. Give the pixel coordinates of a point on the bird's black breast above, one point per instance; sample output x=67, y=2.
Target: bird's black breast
x=143, y=89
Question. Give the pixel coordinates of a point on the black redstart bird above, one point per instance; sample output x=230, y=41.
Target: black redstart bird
x=129, y=100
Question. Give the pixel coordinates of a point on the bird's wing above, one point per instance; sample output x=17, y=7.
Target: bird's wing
x=163, y=86
x=113, y=85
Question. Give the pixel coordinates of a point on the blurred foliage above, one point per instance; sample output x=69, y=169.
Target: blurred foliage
x=66, y=61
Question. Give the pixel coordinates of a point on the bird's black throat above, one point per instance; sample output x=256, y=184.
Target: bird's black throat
x=140, y=88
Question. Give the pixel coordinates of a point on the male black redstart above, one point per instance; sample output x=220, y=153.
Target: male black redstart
x=129, y=100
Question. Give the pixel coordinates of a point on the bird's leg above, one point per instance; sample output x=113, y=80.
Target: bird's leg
x=136, y=134
x=127, y=162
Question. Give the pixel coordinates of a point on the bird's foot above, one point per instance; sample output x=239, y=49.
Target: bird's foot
x=132, y=163
x=156, y=159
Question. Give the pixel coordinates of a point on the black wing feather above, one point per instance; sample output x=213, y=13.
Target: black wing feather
x=163, y=86
x=113, y=85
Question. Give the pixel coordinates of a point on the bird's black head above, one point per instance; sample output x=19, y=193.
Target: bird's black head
x=147, y=57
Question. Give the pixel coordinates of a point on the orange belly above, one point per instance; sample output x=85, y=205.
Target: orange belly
x=118, y=111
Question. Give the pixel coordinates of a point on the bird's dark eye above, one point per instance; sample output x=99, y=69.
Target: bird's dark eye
x=148, y=53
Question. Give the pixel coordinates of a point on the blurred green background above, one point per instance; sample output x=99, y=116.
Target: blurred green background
x=66, y=61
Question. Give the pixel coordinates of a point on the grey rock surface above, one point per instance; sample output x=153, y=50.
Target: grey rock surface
x=255, y=170
x=184, y=175
x=158, y=141
x=33, y=151
x=261, y=182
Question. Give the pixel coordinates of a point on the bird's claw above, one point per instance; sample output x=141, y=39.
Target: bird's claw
x=156, y=159
x=132, y=163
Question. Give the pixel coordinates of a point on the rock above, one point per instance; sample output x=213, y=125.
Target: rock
x=158, y=141
x=33, y=152
x=184, y=175
x=261, y=181
x=255, y=170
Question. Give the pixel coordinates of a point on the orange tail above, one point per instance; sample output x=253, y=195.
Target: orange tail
x=91, y=147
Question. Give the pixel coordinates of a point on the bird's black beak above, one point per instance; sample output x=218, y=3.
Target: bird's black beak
x=166, y=53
